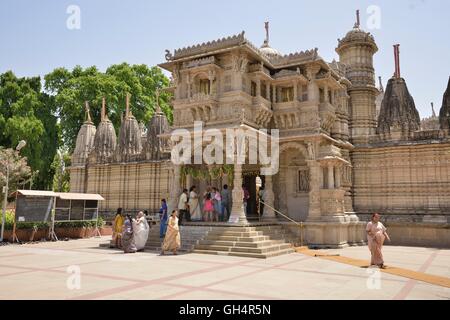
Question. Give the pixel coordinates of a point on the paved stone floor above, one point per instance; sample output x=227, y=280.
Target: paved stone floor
x=50, y=271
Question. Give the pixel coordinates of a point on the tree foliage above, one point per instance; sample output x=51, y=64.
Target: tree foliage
x=27, y=113
x=72, y=88
x=19, y=171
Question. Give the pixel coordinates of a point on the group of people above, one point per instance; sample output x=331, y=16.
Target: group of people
x=131, y=234
x=212, y=206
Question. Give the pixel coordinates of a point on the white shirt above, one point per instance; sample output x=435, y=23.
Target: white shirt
x=182, y=201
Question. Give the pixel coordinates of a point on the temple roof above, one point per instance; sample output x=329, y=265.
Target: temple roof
x=269, y=55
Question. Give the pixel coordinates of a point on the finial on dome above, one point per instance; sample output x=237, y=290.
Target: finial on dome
x=103, y=114
x=397, y=61
x=358, y=20
x=158, y=108
x=432, y=110
x=266, y=26
x=128, y=113
x=381, y=84
x=88, y=115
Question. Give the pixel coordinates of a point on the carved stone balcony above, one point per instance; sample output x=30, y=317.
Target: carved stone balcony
x=327, y=116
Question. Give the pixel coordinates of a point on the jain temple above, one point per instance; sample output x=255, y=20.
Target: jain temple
x=347, y=146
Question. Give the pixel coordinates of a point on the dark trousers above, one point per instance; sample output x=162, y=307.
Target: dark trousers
x=184, y=214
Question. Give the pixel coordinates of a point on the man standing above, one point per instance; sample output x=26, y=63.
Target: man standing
x=225, y=203
x=183, y=207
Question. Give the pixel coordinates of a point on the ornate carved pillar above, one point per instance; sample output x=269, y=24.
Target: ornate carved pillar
x=189, y=181
x=269, y=214
x=313, y=88
x=330, y=176
x=267, y=91
x=314, y=193
x=326, y=96
x=337, y=177
x=237, y=210
x=175, y=191
x=274, y=94
x=295, y=84
x=258, y=86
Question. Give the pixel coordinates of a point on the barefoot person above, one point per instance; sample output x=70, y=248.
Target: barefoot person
x=172, y=241
x=128, y=244
x=376, y=234
x=141, y=230
x=194, y=205
x=117, y=229
x=163, y=219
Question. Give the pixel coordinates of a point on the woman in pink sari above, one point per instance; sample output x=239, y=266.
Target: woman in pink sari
x=376, y=234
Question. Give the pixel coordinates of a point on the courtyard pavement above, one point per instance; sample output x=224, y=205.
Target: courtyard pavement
x=80, y=269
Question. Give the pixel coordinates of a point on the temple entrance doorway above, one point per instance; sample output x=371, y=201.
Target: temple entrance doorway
x=253, y=182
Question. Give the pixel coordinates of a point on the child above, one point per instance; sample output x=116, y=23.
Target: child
x=208, y=208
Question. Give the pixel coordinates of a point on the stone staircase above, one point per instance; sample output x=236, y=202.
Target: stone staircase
x=263, y=241
x=255, y=241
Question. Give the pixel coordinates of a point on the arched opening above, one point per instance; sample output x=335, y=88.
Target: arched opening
x=292, y=183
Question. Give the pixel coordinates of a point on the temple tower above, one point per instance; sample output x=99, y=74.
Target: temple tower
x=356, y=51
x=398, y=115
x=444, y=114
x=130, y=143
x=105, y=139
x=83, y=146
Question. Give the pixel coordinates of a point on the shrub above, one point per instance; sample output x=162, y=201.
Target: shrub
x=9, y=220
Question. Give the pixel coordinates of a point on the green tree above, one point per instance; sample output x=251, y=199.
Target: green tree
x=72, y=89
x=61, y=179
x=26, y=113
x=19, y=171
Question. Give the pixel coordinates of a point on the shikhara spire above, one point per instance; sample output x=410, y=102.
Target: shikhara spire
x=86, y=110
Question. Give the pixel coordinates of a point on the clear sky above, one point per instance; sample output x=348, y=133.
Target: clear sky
x=35, y=39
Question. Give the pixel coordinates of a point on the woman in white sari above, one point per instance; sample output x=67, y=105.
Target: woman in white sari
x=194, y=205
x=141, y=230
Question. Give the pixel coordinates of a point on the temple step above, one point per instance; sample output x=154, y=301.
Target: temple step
x=246, y=254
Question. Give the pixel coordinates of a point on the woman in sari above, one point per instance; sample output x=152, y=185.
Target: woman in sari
x=117, y=229
x=128, y=244
x=162, y=219
x=172, y=241
x=141, y=230
x=194, y=205
x=376, y=234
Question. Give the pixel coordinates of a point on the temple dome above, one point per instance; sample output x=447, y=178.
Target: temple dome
x=130, y=142
x=357, y=36
x=85, y=141
x=158, y=124
x=269, y=51
x=105, y=140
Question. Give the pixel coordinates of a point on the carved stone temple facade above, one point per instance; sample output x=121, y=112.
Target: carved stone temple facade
x=339, y=161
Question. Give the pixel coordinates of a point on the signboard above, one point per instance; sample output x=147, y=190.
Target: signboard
x=33, y=208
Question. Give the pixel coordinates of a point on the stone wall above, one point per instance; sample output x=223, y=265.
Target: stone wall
x=409, y=184
x=132, y=186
